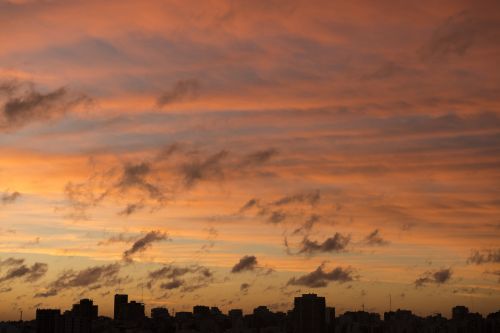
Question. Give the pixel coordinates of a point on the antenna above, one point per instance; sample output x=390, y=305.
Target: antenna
x=390, y=302
x=21, y=315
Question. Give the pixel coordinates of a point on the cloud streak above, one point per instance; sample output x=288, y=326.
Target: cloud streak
x=182, y=90
x=336, y=243
x=142, y=244
x=375, y=239
x=22, y=104
x=320, y=278
x=28, y=273
x=8, y=198
x=434, y=277
x=246, y=263
x=185, y=278
x=94, y=276
x=484, y=257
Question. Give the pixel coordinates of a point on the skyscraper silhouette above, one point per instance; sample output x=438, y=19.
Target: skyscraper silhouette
x=309, y=314
x=47, y=320
x=119, y=306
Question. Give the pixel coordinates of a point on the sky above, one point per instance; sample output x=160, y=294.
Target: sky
x=238, y=153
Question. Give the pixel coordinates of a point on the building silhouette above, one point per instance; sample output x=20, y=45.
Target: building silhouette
x=128, y=313
x=47, y=320
x=119, y=306
x=159, y=313
x=330, y=319
x=309, y=314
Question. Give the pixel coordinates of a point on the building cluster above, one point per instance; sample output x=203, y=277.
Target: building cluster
x=77, y=320
x=309, y=315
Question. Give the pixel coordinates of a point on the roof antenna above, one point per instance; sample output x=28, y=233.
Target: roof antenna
x=21, y=314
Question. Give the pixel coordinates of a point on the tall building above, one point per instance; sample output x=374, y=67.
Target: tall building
x=459, y=312
x=120, y=306
x=80, y=318
x=85, y=309
x=47, y=320
x=159, y=313
x=330, y=319
x=309, y=314
x=201, y=310
x=134, y=311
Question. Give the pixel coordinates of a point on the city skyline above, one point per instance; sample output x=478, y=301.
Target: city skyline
x=120, y=301
x=246, y=152
x=309, y=315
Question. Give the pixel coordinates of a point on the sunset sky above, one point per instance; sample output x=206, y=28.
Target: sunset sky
x=237, y=153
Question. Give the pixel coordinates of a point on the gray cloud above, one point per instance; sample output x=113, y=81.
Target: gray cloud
x=247, y=263
x=174, y=284
x=120, y=238
x=80, y=197
x=458, y=34
x=259, y=157
x=308, y=225
x=244, y=287
x=310, y=198
x=11, y=262
x=22, y=104
x=279, y=210
x=437, y=277
x=209, y=168
x=336, y=243
x=144, y=243
x=131, y=209
x=375, y=239
x=146, y=182
x=319, y=278
x=135, y=176
x=30, y=274
x=454, y=36
x=249, y=205
x=189, y=278
x=182, y=90
x=276, y=217
x=484, y=257
x=8, y=198
x=212, y=236
x=97, y=275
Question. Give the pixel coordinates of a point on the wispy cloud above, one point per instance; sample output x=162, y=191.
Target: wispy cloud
x=143, y=243
x=436, y=277
x=375, y=239
x=22, y=104
x=182, y=90
x=8, y=198
x=484, y=257
x=246, y=263
x=336, y=243
x=89, y=277
x=320, y=278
